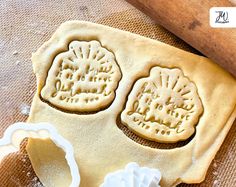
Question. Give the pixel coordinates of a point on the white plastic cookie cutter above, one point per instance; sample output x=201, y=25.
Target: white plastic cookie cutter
x=133, y=176
x=17, y=132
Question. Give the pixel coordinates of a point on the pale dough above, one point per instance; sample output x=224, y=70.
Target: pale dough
x=82, y=79
x=100, y=146
x=52, y=167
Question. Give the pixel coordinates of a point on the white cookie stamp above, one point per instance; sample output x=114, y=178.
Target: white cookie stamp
x=133, y=176
x=164, y=107
x=17, y=132
x=82, y=79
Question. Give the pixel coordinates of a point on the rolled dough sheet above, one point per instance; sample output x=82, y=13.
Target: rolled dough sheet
x=100, y=146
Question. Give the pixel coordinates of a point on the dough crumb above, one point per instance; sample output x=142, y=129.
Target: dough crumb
x=215, y=165
x=17, y=62
x=25, y=109
x=15, y=53
x=215, y=183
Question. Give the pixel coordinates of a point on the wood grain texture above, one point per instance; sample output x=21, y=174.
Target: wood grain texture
x=189, y=20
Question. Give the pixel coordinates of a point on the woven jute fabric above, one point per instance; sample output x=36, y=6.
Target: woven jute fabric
x=26, y=25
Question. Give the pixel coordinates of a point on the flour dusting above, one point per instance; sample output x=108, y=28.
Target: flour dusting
x=35, y=183
x=39, y=28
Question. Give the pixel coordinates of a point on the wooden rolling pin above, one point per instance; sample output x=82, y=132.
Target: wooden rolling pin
x=189, y=20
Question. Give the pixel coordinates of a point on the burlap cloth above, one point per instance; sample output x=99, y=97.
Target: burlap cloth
x=25, y=25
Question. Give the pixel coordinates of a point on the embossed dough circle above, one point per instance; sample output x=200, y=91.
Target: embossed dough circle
x=163, y=107
x=82, y=79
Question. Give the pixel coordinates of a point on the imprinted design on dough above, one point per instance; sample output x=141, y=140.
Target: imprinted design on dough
x=82, y=79
x=163, y=107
